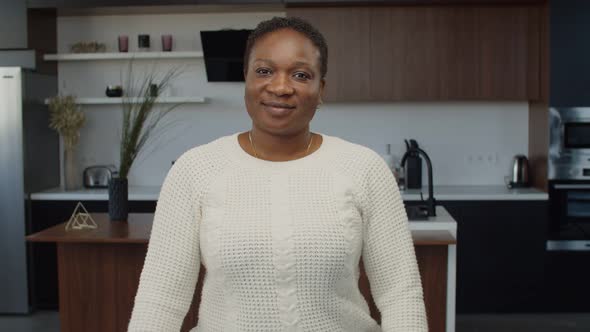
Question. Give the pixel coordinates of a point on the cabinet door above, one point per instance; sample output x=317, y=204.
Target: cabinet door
x=346, y=31
x=415, y=39
x=457, y=53
x=509, y=52
x=500, y=255
x=427, y=53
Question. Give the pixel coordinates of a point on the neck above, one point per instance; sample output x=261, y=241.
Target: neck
x=275, y=147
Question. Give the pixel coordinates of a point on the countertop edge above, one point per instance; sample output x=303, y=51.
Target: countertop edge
x=152, y=194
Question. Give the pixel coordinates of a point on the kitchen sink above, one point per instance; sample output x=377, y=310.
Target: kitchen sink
x=417, y=212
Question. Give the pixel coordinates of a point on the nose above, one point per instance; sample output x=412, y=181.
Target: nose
x=280, y=85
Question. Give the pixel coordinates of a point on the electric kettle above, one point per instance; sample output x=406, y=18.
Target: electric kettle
x=520, y=172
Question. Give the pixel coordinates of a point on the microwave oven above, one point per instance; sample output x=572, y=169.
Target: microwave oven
x=569, y=143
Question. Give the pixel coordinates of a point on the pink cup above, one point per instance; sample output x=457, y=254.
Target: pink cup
x=123, y=43
x=166, y=43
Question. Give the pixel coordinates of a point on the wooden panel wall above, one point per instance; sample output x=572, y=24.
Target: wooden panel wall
x=539, y=110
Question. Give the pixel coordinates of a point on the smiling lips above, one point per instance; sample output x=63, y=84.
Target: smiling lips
x=278, y=109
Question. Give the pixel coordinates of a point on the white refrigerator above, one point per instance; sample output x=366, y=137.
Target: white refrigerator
x=29, y=162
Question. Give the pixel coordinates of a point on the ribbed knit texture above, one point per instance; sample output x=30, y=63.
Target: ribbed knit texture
x=281, y=242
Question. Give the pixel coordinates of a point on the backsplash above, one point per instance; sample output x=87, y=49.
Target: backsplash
x=470, y=143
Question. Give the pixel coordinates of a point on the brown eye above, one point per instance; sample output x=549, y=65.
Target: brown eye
x=302, y=76
x=263, y=71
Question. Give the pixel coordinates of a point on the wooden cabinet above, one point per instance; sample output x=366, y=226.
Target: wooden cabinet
x=448, y=52
x=121, y=3
x=401, y=2
x=42, y=256
x=509, y=40
x=346, y=31
x=111, y=260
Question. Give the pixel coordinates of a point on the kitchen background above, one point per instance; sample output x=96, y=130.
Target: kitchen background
x=470, y=143
x=472, y=83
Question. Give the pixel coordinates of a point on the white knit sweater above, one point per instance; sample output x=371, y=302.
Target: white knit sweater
x=281, y=242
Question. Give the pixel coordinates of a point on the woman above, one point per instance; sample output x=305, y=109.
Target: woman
x=280, y=216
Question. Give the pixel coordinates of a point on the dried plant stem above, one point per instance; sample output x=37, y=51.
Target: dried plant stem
x=67, y=119
x=140, y=114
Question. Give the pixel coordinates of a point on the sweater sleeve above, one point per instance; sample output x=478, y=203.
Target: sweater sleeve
x=171, y=266
x=388, y=253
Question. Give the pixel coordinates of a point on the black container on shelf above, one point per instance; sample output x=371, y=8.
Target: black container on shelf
x=114, y=91
x=143, y=42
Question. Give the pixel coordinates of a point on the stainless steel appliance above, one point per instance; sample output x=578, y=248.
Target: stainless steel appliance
x=569, y=143
x=520, y=172
x=29, y=162
x=569, y=178
x=99, y=176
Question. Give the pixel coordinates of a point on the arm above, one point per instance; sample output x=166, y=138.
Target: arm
x=388, y=253
x=171, y=266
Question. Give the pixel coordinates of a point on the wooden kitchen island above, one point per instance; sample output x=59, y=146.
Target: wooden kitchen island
x=99, y=269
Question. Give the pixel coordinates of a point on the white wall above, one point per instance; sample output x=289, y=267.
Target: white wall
x=468, y=142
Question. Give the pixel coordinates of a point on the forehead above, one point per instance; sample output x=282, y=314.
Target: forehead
x=285, y=44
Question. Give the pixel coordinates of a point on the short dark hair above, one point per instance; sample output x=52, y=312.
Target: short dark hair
x=293, y=23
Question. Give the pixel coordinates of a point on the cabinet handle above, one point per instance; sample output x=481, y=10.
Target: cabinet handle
x=568, y=245
x=572, y=186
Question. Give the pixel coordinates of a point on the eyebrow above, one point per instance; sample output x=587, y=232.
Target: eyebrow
x=297, y=63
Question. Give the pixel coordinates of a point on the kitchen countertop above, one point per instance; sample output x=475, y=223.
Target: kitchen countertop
x=476, y=193
x=136, y=193
x=439, y=230
x=441, y=193
x=443, y=221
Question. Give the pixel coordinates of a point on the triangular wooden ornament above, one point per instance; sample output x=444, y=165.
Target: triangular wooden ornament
x=79, y=220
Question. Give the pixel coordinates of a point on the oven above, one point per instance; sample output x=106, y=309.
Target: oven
x=569, y=179
x=569, y=209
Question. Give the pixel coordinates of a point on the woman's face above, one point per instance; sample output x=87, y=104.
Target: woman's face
x=283, y=82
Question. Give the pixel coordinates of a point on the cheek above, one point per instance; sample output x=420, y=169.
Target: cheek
x=312, y=97
x=250, y=93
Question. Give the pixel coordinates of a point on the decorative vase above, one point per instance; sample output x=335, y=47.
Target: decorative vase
x=71, y=176
x=118, y=199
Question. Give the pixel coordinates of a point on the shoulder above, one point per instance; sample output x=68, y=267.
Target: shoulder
x=202, y=161
x=355, y=158
x=208, y=153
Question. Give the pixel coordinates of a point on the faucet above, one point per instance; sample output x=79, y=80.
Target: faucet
x=430, y=202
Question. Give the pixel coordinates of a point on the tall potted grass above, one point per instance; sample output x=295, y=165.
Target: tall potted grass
x=141, y=116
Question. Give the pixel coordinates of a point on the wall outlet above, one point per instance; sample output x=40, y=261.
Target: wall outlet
x=491, y=158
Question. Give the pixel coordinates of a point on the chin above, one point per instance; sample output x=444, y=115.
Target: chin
x=277, y=128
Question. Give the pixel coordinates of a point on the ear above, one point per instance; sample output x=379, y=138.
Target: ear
x=322, y=88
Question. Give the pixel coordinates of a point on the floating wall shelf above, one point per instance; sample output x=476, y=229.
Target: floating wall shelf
x=161, y=100
x=121, y=55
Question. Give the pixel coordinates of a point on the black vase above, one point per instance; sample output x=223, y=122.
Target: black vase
x=118, y=199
